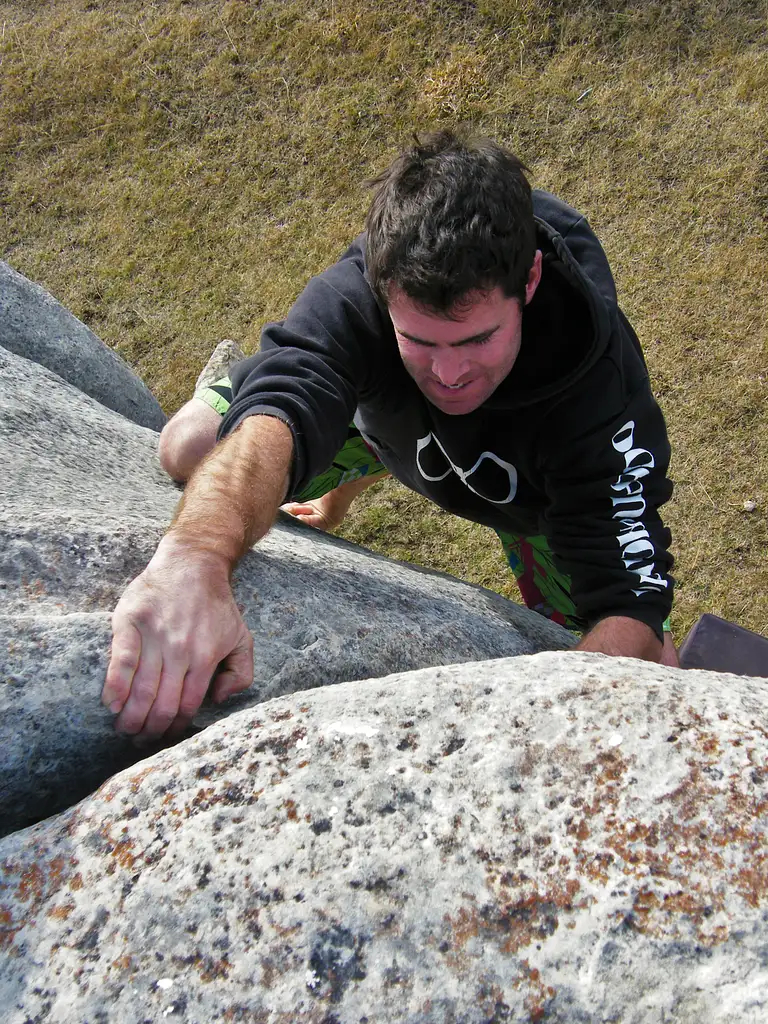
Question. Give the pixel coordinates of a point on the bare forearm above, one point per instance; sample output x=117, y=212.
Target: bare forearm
x=232, y=498
x=622, y=636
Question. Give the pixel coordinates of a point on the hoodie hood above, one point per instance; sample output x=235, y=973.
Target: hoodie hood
x=569, y=323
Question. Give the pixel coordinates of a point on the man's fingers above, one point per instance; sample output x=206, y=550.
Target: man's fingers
x=307, y=513
x=123, y=662
x=236, y=673
x=165, y=707
x=146, y=681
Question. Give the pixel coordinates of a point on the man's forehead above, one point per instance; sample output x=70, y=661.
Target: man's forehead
x=464, y=308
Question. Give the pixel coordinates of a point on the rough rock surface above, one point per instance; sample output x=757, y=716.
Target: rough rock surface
x=84, y=504
x=34, y=325
x=558, y=838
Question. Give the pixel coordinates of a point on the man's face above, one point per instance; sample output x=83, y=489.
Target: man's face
x=459, y=363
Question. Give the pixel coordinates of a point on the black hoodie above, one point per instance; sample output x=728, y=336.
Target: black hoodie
x=571, y=445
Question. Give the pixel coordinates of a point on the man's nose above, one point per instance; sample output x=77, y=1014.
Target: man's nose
x=450, y=366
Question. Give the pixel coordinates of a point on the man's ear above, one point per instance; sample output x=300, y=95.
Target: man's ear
x=534, y=276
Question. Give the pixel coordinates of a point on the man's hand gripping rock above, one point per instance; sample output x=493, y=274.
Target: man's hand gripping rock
x=177, y=628
x=177, y=631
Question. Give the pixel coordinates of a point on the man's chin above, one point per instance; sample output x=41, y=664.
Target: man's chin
x=461, y=405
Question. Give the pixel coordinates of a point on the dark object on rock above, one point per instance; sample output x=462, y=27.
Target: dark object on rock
x=722, y=646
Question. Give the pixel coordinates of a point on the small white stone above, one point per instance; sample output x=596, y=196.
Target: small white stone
x=749, y=506
x=616, y=740
x=302, y=743
x=165, y=983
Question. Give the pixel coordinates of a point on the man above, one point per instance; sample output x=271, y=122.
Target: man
x=474, y=334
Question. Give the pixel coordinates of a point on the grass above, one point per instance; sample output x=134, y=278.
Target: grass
x=174, y=172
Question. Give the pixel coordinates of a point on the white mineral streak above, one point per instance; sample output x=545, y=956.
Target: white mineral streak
x=336, y=730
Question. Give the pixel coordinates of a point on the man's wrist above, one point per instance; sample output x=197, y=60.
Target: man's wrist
x=180, y=547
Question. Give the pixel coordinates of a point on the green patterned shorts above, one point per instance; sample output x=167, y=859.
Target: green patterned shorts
x=353, y=461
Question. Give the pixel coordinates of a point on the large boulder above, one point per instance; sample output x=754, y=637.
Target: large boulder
x=565, y=837
x=33, y=324
x=85, y=503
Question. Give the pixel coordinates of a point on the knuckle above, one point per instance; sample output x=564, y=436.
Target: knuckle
x=176, y=647
x=189, y=706
x=161, y=718
x=143, y=691
x=124, y=660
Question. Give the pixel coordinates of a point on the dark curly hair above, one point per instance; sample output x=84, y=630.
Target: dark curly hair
x=450, y=216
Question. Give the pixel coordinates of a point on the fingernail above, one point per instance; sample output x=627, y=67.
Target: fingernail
x=116, y=707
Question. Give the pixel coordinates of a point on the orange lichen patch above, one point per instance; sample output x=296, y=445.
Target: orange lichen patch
x=530, y=919
x=579, y=829
x=539, y=995
x=7, y=929
x=31, y=884
x=245, y=1015
x=33, y=590
x=122, y=853
x=597, y=866
x=203, y=799
x=291, y=812
x=751, y=882
x=137, y=779
x=680, y=902
x=212, y=970
x=708, y=744
x=707, y=842
x=62, y=912
x=124, y=963
x=610, y=768
x=76, y=882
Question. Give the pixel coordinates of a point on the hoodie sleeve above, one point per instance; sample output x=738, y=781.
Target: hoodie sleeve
x=313, y=366
x=605, y=484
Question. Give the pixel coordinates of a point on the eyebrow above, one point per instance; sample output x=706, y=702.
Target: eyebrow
x=454, y=344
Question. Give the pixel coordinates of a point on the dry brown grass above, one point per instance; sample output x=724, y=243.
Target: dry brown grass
x=174, y=172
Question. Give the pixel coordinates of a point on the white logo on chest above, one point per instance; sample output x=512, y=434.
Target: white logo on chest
x=503, y=484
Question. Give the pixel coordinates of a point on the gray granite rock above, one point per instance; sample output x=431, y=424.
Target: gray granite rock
x=34, y=325
x=84, y=505
x=563, y=837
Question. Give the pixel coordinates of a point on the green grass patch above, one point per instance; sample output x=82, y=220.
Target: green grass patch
x=174, y=172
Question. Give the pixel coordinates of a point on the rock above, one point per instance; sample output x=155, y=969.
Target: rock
x=34, y=325
x=223, y=356
x=563, y=837
x=85, y=503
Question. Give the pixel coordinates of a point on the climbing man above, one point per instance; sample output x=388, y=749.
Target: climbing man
x=473, y=337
